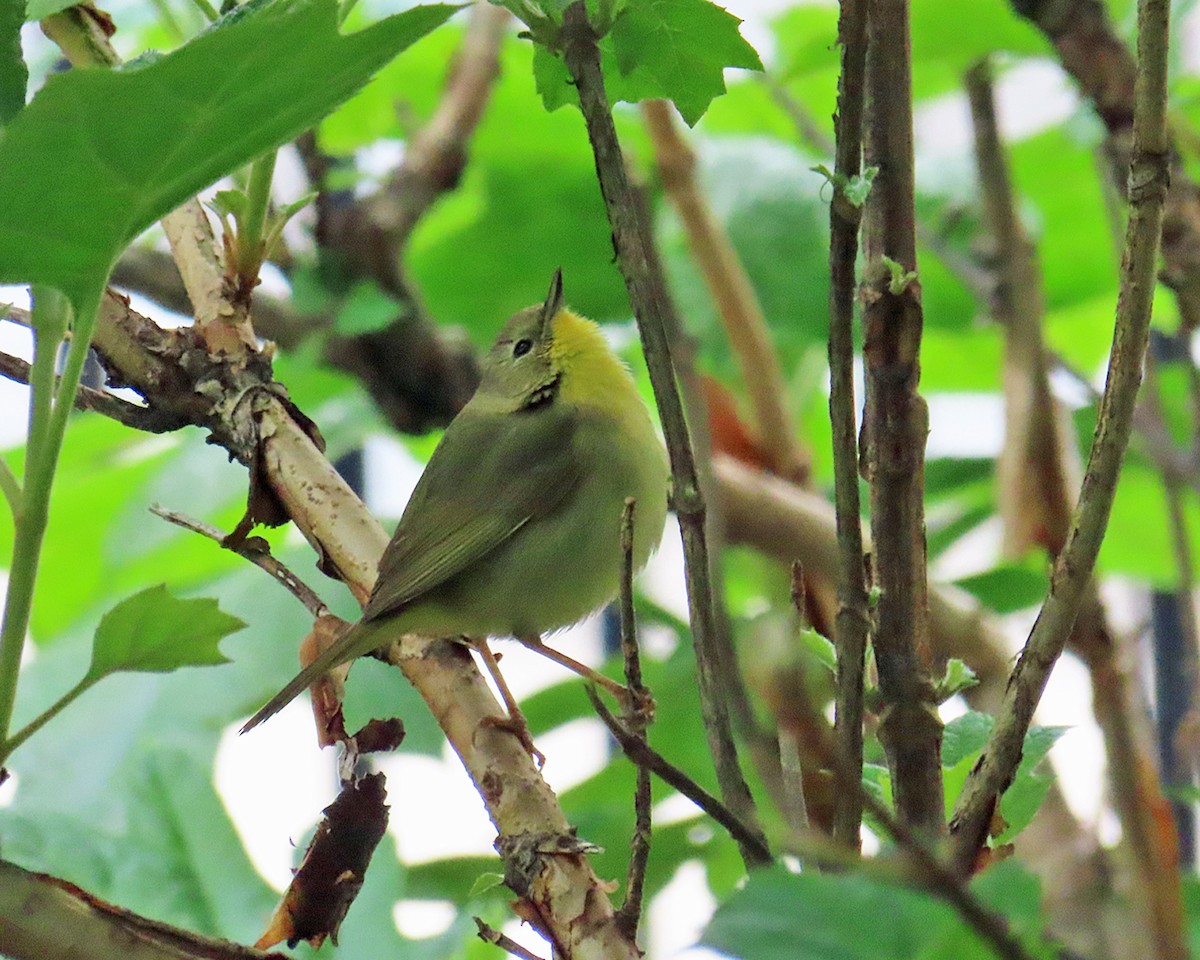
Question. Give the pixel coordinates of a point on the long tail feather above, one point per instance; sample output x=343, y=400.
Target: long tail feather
x=339, y=653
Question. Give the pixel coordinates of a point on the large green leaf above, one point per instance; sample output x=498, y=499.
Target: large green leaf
x=182, y=861
x=99, y=155
x=854, y=916
x=674, y=49
x=13, y=74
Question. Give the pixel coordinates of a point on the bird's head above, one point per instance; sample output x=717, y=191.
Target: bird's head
x=536, y=349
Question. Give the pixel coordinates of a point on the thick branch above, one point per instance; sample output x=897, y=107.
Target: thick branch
x=1072, y=571
x=50, y=919
x=895, y=427
x=417, y=375
x=853, y=617
x=631, y=238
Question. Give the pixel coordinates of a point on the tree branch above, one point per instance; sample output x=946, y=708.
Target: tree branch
x=896, y=426
x=1036, y=505
x=110, y=405
x=52, y=919
x=1072, y=571
x=853, y=622
x=371, y=233
x=631, y=239
x=257, y=551
x=417, y=375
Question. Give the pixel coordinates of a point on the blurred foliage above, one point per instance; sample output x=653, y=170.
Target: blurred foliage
x=137, y=819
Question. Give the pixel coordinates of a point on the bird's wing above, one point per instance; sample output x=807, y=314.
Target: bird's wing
x=490, y=475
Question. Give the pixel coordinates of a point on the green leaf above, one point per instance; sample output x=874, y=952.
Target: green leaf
x=858, y=187
x=40, y=9
x=13, y=73
x=830, y=916
x=965, y=737
x=821, y=649
x=99, y=155
x=900, y=278
x=500, y=208
x=1008, y=587
x=229, y=203
x=1031, y=783
x=154, y=632
x=948, y=475
x=485, y=883
x=674, y=49
x=366, y=309
x=678, y=49
x=957, y=678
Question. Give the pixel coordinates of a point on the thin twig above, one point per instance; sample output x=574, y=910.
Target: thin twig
x=896, y=426
x=940, y=879
x=629, y=914
x=254, y=549
x=629, y=642
x=1073, y=569
x=790, y=753
x=489, y=934
x=1035, y=500
x=853, y=624
x=636, y=748
x=730, y=288
x=110, y=405
x=631, y=239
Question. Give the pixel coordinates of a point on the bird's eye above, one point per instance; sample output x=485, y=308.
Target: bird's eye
x=522, y=347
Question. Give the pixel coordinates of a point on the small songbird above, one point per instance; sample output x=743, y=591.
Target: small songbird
x=513, y=529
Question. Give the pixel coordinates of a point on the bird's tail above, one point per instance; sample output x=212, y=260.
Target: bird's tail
x=338, y=653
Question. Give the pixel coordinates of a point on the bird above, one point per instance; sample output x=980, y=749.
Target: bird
x=514, y=528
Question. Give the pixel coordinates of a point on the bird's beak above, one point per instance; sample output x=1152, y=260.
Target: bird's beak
x=553, y=304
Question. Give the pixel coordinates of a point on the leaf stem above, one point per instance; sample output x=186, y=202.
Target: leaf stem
x=51, y=313
x=251, y=248
x=10, y=486
x=8, y=746
x=208, y=10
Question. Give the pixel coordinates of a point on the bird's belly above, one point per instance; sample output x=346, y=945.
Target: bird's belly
x=570, y=561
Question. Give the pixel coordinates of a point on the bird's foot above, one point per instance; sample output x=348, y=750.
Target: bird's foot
x=517, y=726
